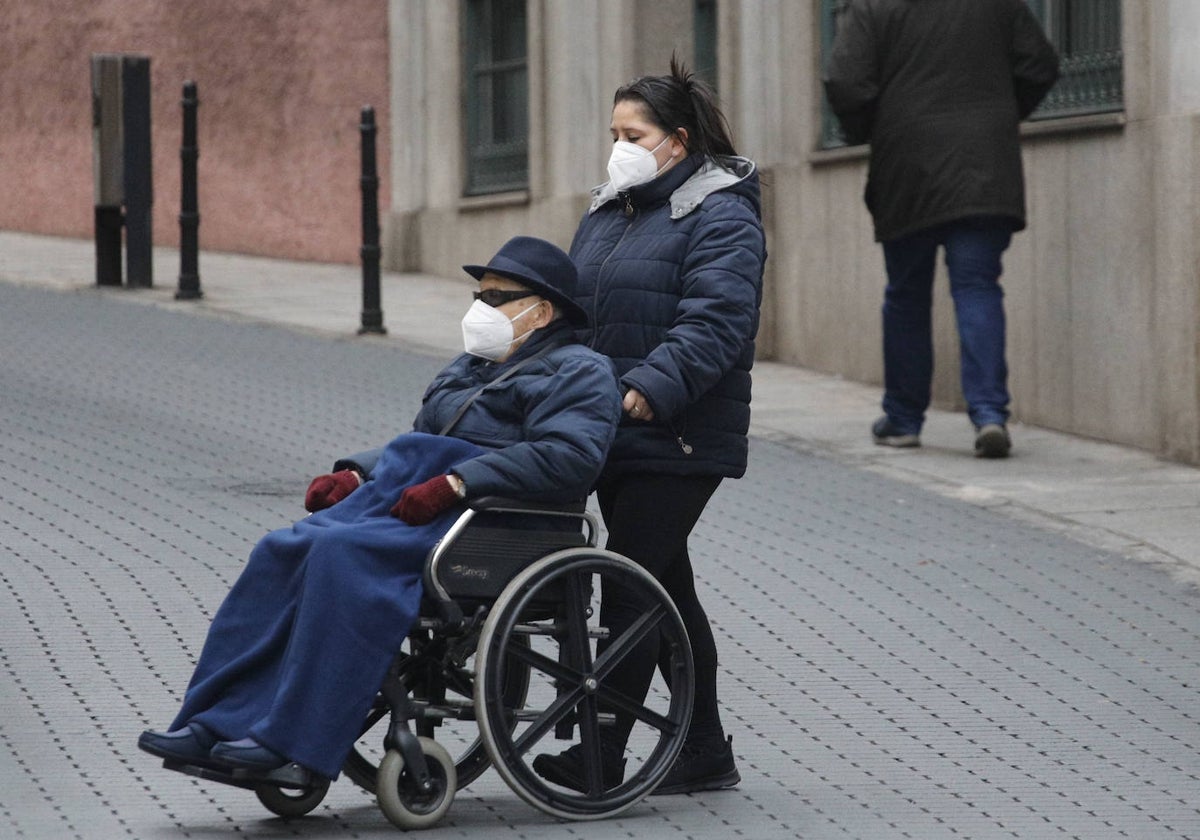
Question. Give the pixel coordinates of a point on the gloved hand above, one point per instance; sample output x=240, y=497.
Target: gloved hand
x=421, y=503
x=327, y=490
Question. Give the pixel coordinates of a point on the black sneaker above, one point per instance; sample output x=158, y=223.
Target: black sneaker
x=885, y=433
x=992, y=441
x=704, y=763
x=566, y=768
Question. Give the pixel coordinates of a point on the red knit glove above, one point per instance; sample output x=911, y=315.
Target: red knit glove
x=421, y=503
x=327, y=490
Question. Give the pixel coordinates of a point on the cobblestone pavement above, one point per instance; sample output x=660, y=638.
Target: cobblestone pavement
x=895, y=664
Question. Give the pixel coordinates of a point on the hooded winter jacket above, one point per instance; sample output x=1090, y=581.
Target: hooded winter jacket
x=938, y=87
x=670, y=274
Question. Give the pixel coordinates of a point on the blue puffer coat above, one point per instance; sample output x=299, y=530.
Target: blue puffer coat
x=547, y=428
x=670, y=274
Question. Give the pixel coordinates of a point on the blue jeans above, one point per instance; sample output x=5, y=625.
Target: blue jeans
x=973, y=249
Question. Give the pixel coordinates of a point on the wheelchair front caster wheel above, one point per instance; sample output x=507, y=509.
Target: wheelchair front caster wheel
x=402, y=801
x=291, y=802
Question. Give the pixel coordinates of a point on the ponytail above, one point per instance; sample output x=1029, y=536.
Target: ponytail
x=681, y=100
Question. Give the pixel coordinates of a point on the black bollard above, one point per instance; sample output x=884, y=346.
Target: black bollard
x=189, y=204
x=139, y=177
x=372, y=314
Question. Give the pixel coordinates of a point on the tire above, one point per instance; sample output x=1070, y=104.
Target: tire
x=402, y=803
x=290, y=802
x=568, y=689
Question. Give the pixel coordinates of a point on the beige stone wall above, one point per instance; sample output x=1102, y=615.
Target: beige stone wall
x=281, y=84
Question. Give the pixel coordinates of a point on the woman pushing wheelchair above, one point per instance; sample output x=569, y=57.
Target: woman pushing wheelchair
x=297, y=651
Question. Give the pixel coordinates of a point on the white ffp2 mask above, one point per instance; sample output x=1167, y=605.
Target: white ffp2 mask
x=630, y=165
x=488, y=332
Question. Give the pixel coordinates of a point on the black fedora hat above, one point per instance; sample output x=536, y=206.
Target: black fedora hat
x=538, y=265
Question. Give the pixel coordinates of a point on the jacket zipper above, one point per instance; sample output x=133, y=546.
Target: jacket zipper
x=683, y=445
x=596, y=297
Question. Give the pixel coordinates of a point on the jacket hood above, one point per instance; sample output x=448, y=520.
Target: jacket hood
x=736, y=174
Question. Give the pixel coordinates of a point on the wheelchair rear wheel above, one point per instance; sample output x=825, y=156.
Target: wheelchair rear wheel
x=570, y=658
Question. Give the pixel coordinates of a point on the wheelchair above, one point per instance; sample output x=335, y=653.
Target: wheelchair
x=508, y=657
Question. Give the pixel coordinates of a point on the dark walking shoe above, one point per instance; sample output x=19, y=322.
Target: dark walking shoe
x=704, y=763
x=189, y=745
x=247, y=754
x=992, y=441
x=566, y=768
x=886, y=434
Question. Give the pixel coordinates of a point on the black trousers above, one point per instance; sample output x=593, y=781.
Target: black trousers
x=649, y=518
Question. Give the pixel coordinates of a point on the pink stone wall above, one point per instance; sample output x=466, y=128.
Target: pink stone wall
x=281, y=85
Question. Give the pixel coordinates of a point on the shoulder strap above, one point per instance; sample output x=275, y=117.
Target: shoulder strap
x=462, y=409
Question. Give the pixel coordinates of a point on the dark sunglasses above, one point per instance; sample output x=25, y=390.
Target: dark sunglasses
x=498, y=297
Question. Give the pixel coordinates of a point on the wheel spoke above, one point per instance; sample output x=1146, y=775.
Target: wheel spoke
x=579, y=652
x=589, y=739
x=620, y=647
x=546, y=665
x=556, y=711
x=623, y=702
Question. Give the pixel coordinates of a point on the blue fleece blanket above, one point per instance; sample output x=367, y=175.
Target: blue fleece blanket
x=299, y=648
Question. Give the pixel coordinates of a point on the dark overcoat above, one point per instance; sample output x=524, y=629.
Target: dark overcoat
x=938, y=88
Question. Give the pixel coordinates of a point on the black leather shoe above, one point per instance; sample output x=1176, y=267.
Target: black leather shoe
x=189, y=745
x=247, y=754
x=704, y=763
x=566, y=768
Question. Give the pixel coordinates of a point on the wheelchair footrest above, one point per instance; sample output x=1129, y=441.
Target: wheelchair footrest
x=288, y=776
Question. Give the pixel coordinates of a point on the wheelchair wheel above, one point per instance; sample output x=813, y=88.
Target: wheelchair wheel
x=405, y=804
x=570, y=660
x=460, y=737
x=291, y=802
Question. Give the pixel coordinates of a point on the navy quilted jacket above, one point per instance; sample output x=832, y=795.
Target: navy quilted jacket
x=670, y=274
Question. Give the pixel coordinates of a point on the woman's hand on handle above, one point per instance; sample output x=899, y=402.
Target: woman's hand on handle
x=635, y=406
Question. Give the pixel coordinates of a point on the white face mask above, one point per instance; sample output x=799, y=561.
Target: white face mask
x=630, y=164
x=488, y=332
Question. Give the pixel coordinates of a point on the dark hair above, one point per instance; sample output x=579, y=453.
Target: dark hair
x=680, y=100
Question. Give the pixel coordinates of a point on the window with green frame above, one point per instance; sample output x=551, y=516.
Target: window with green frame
x=1087, y=35
x=495, y=96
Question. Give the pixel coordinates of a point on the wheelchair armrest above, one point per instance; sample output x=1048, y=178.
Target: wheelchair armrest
x=477, y=558
x=500, y=503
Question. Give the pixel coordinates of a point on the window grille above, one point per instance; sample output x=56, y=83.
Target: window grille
x=1087, y=35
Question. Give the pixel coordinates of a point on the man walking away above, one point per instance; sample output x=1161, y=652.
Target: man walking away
x=938, y=87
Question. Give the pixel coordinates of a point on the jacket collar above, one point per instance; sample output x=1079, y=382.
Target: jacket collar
x=687, y=189
x=653, y=192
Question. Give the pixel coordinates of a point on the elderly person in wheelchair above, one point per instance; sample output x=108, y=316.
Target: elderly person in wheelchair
x=298, y=650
